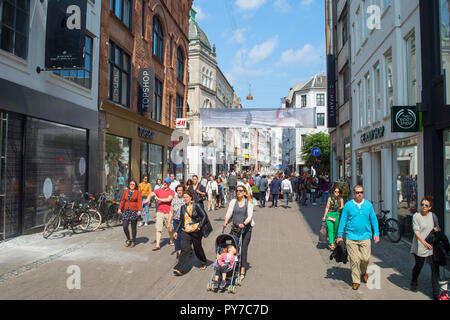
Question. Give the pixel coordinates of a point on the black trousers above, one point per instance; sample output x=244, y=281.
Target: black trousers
x=262, y=198
x=221, y=270
x=246, y=237
x=420, y=261
x=133, y=229
x=188, y=238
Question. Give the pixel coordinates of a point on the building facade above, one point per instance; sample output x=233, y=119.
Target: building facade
x=386, y=71
x=49, y=119
x=142, y=88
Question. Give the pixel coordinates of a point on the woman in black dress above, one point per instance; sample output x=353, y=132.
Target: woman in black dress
x=130, y=208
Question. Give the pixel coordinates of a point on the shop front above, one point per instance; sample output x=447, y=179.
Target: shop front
x=133, y=146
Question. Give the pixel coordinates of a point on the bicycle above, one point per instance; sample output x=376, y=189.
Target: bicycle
x=68, y=215
x=107, y=208
x=388, y=226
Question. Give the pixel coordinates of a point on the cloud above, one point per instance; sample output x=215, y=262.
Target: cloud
x=262, y=51
x=200, y=14
x=308, y=55
x=307, y=2
x=248, y=5
x=282, y=6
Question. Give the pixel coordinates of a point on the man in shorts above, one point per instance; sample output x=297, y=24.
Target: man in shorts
x=164, y=197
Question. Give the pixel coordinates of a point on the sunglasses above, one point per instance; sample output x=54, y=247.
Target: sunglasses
x=239, y=190
x=359, y=192
x=425, y=205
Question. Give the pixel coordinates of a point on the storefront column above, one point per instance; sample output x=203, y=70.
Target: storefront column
x=420, y=168
x=367, y=175
x=387, y=180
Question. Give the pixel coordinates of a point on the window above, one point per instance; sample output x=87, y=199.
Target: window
x=117, y=164
x=158, y=39
x=368, y=116
x=347, y=84
x=207, y=104
x=411, y=69
x=445, y=47
x=152, y=162
x=122, y=10
x=377, y=92
x=119, y=75
x=143, y=19
x=361, y=105
x=389, y=84
x=157, y=101
x=180, y=101
x=303, y=100
x=180, y=64
x=83, y=77
x=14, y=22
x=320, y=99
x=170, y=110
x=345, y=29
x=321, y=119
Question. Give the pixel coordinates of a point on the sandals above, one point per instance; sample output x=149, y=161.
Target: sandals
x=203, y=267
x=177, y=272
x=171, y=244
x=156, y=248
x=242, y=276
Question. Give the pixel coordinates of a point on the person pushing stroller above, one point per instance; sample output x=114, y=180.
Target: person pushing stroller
x=225, y=264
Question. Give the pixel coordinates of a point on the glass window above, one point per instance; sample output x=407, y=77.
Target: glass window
x=389, y=83
x=445, y=45
x=117, y=164
x=347, y=161
x=122, y=10
x=157, y=101
x=179, y=106
x=446, y=221
x=377, y=92
x=411, y=73
x=152, y=162
x=405, y=185
x=158, y=39
x=320, y=99
x=119, y=68
x=347, y=84
x=359, y=169
x=180, y=64
x=14, y=26
x=303, y=101
x=56, y=160
x=321, y=119
x=368, y=88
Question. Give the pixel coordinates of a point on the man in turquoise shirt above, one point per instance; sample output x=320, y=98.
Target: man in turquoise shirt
x=358, y=218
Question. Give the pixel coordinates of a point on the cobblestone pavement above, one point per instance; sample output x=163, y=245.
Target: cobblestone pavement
x=286, y=263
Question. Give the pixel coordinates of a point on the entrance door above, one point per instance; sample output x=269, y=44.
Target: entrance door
x=11, y=137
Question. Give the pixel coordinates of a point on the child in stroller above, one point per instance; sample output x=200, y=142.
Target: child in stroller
x=224, y=265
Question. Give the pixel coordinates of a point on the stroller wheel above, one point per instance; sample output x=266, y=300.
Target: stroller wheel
x=208, y=288
x=237, y=281
x=234, y=289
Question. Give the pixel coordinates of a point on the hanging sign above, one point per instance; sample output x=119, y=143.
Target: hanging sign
x=404, y=119
x=146, y=80
x=65, y=34
x=181, y=123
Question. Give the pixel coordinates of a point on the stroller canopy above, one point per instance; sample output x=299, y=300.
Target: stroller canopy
x=224, y=240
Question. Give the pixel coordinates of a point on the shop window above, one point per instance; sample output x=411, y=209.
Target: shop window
x=55, y=163
x=152, y=162
x=359, y=169
x=347, y=161
x=14, y=26
x=446, y=221
x=405, y=185
x=117, y=164
x=445, y=45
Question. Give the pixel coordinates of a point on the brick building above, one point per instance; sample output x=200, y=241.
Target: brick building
x=135, y=132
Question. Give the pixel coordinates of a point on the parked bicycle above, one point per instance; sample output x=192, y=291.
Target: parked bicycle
x=106, y=207
x=388, y=226
x=69, y=215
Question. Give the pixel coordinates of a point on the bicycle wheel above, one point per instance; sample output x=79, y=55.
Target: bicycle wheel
x=80, y=223
x=392, y=230
x=51, y=226
x=112, y=217
x=96, y=219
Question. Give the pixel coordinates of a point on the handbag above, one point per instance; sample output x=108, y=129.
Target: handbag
x=331, y=219
x=443, y=287
x=323, y=233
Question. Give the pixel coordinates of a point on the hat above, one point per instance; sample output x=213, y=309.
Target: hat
x=167, y=180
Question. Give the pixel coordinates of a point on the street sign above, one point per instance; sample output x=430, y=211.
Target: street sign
x=315, y=152
x=181, y=123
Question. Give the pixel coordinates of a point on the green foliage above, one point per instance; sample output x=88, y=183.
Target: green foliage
x=321, y=141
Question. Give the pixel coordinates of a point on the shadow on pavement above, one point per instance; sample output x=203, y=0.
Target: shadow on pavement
x=142, y=240
x=340, y=273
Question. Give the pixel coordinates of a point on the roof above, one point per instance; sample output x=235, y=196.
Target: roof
x=196, y=33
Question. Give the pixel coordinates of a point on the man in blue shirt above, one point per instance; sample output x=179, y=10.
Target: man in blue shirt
x=358, y=218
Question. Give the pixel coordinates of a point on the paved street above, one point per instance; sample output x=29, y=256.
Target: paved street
x=286, y=262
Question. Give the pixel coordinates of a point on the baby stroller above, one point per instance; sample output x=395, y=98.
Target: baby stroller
x=233, y=279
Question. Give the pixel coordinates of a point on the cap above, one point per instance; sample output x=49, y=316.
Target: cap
x=167, y=180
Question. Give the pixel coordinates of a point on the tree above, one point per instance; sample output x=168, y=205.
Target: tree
x=318, y=140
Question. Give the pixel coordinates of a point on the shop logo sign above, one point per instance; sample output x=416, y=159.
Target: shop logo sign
x=372, y=134
x=145, y=133
x=405, y=119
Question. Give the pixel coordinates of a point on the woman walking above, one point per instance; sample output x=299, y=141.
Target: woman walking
x=192, y=219
x=334, y=207
x=145, y=188
x=188, y=184
x=212, y=191
x=131, y=204
x=423, y=223
x=240, y=212
x=177, y=203
x=220, y=193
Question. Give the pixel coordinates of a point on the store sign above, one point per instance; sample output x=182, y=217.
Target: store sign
x=146, y=80
x=372, y=134
x=146, y=133
x=65, y=34
x=331, y=91
x=404, y=119
x=181, y=123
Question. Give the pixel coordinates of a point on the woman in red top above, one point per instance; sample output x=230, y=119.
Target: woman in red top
x=131, y=203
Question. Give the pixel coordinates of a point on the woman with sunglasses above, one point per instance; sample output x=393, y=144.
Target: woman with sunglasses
x=130, y=208
x=335, y=204
x=240, y=212
x=423, y=223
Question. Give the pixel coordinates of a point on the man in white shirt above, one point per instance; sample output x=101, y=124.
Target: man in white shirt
x=286, y=188
x=174, y=182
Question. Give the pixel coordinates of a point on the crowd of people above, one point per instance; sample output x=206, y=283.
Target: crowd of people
x=182, y=211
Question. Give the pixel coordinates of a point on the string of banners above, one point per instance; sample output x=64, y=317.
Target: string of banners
x=258, y=118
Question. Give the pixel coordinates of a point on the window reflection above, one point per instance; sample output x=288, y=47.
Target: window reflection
x=117, y=164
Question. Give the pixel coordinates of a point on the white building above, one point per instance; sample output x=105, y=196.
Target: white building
x=311, y=94
x=386, y=72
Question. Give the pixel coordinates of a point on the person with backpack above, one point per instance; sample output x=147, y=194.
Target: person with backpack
x=240, y=213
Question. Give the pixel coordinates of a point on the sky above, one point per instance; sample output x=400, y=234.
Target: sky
x=269, y=45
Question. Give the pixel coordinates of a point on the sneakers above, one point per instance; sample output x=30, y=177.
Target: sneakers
x=140, y=224
x=222, y=285
x=146, y=224
x=132, y=244
x=127, y=243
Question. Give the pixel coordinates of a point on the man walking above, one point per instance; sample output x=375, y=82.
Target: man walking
x=358, y=218
x=174, y=184
x=263, y=186
x=286, y=187
x=303, y=189
x=232, y=182
x=275, y=189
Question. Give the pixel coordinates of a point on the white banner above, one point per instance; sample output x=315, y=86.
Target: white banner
x=258, y=118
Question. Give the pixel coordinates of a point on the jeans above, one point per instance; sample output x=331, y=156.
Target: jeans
x=314, y=195
x=262, y=198
x=304, y=196
x=286, y=196
x=420, y=261
x=145, y=207
x=275, y=200
x=325, y=195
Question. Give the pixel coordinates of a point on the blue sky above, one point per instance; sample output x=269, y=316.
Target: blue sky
x=268, y=44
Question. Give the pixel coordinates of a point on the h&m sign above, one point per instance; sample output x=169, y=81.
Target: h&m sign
x=65, y=34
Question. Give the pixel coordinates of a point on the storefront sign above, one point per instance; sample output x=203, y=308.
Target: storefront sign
x=372, y=134
x=331, y=91
x=405, y=119
x=181, y=123
x=146, y=81
x=65, y=34
x=146, y=133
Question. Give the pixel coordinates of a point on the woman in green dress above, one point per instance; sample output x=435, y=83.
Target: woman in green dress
x=335, y=204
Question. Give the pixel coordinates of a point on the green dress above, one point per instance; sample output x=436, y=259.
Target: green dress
x=333, y=214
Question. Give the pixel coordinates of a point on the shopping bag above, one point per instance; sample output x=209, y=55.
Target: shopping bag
x=323, y=233
x=443, y=286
